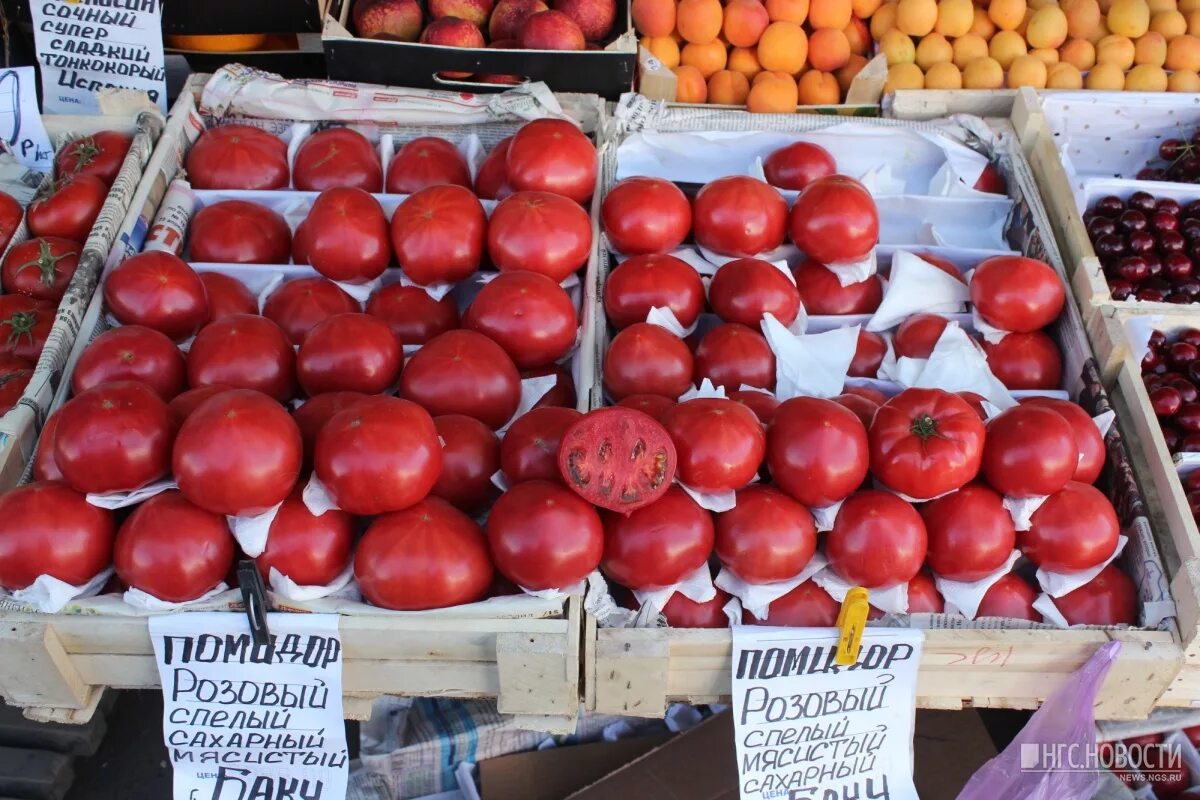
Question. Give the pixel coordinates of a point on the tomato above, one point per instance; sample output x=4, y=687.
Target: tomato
x=337, y=158
x=874, y=395
x=1088, y=440
x=552, y=155
x=647, y=359
x=762, y=404
x=834, y=220
x=491, y=182
x=923, y=596
x=160, y=291
x=1017, y=294
x=720, y=443
x=238, y=157
x=1030, y=451
x=412, y=314
x=1110, y=598
x=40, y=268
x=244, y=351
x=426, y=161
x=99, y=154
x=46, y=528
x=822, y=293
x=1010, y=597
x=1193, y=734
x=681, y=612
x=185, y=404
x=1171, y=781
x=796, y=165
x=543, y=536
x=644, y=282
x=653, y=405
x=806, y=606
x=659, y=544
x=470, y=456
x=646, y=215
x=868, y=355
x=379, y=455
x=1025, y=361
x=239, y=232
x=918, y=335
x=12, y=387
x=766, y=537
x=732, y=355
x=344, y=237
x=310, y=550
x=226, y=296
x=70, y=210
x=349, y=352
x=816, y=450
x=863, y=408
x=877, y=540
x=1075, y=529
x=25, y=325
x=745, y=289
x=991, y=180
x=316, y=411
x=539, y=232
x=971, y=534
x=268, y=446
x=529, y=450
x=113, y=438
x=131, y=353
x=528, y=315
x=463, y=372
x=300, y=305
x=438, y=234
x=739, y=216
x=642, y=472
x=430, y=555
x=926, y=442
x=172, y=549
x=562, y=393
x=10, y=364
x=44, y=466
x=11, y=215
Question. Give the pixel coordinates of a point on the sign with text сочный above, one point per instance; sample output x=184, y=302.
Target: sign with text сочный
x=809, y=729
x=87, y=45
x=242, y=721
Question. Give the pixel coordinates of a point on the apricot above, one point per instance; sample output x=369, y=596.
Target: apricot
x=904, y=76
x=1047, y=28
x=1158, y=6
x=983, y=73
x=708, y=58
x=744, y=22
x=863, y=9
x=743, y=60
x=1150, y=48
x=1169, y=23
x=982, y=25
x=1107, y=77
x=663, y=48
x=1183, y=52
x=954, y=17
x=1083, y=17
x=943, y=75
x=883, y=20
x=1079, y=53
x=787, y=11
x=1114, y=49
x=916, y=17
x=728, y=88
x=1007, y=15
x=817, y=88
x=1187, y=6
x=783, y=47
x=1128, y=18
x=690, y=86
x=858, y=36
x=1183, y=80
x=968, y=48
x=898, y=47
x=699, y=21
x=1064, y=76
x=828, y=49
x=1193, y=20
x=845, y=76
x=654, y=17
x=1146, y=78
x=1046, y=55
x=933, y=49
x=773, y=95
x=1005, y=47
x=829, y=13
x=1027, y=71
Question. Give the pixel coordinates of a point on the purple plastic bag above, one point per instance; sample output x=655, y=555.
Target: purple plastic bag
x=1037, y=765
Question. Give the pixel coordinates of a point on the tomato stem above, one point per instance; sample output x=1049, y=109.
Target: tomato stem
x=924, y=427
x=46, y=262
x=22, y=324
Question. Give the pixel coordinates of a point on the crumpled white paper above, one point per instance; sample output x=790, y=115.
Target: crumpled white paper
x=1021, y=509
x=888, y=599
x=1139, y=329
x=733, y=611
x=967, y=595
x=316, y=496
x=696, y=586
x=251, y=532
x=914, y=287
x=1056, y=584
x=340, y=586
x=813, y=364
x=664, y=317
x=532, y=390
x=361, y=291
x=957, y=364
x=115, y=500
x=1044, y=604
x=757, y=597
x=148, y=602
x=50, y=595
x=553, y=594
x=706, y=389
x=856, y=271
x=599, y=602
x=437, y=291
x=825, y=516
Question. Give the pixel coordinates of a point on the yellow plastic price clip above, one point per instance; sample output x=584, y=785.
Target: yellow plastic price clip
x=852, y=618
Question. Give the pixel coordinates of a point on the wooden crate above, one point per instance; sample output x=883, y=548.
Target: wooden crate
x=925, y=104
x=639, y=671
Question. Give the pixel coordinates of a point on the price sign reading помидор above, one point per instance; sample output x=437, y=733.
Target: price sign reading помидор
x=808, y=728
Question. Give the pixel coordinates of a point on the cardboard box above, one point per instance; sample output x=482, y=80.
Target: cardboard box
x=557, y=772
